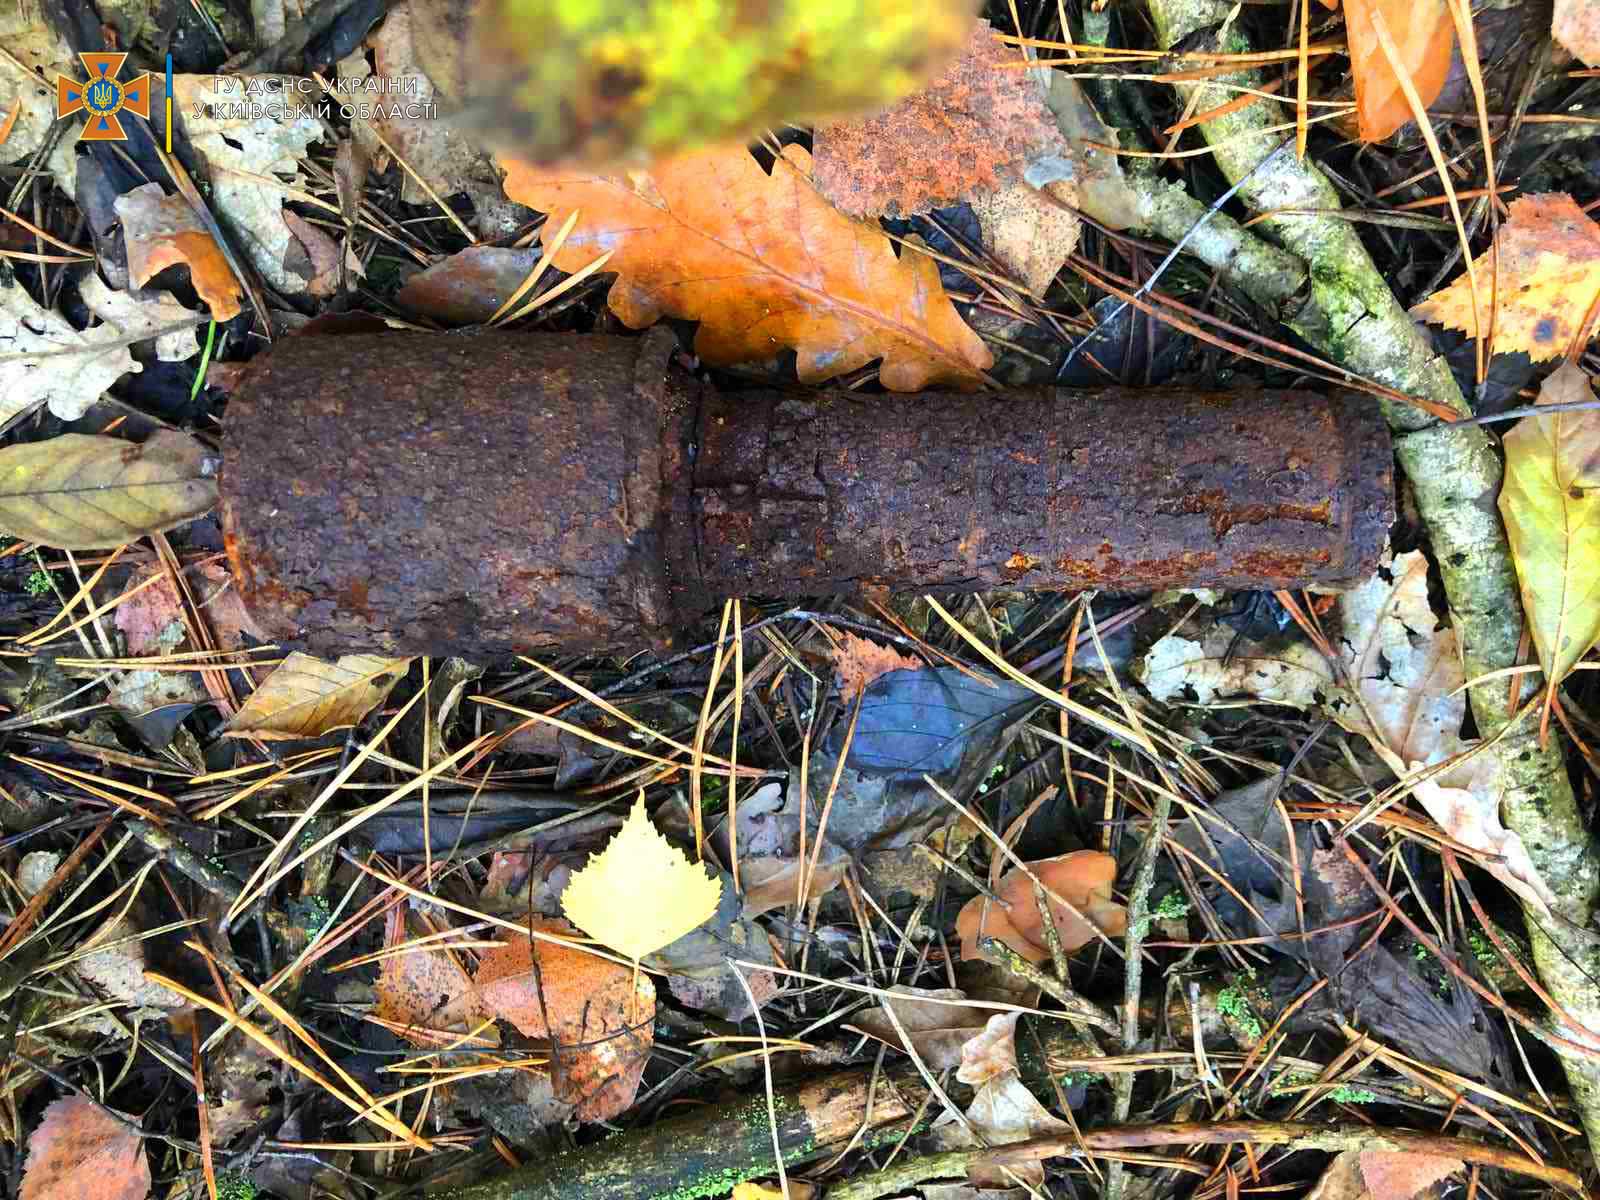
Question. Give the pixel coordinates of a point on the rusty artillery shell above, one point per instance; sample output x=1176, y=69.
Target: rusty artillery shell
x=498, y=492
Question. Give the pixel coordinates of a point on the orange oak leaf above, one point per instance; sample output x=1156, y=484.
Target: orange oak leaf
x=982, y=124
x=858, y=662
x=762, y=262
x=81, y=1152
x=161, y=231
x=1424, y=36
x=600, y=1017
x=1083, y=879
x=1548, y=254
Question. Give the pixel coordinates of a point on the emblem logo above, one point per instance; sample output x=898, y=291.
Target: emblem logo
x=102, y=96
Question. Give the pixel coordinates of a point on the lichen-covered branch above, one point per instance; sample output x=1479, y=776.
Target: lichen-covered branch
x=1352, y=316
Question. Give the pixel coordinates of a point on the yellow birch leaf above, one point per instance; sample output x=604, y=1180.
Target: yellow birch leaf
x=306, y=697
x=83, y=491
x=640, y=892
x=1551, y=507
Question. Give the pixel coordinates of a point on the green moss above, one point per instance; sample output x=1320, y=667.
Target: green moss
x=1347, y=1094
x=312, y=913
x=1234, y=1005
x=235, y=1185
x=38, y=584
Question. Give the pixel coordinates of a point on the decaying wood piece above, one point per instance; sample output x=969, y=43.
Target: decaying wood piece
x=497, y=492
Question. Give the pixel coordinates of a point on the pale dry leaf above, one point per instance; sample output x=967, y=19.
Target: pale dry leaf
x=640, y=892
x=34, y=871
x=161, y=231
x=1576, y=25
x=1177, y=668
x=140, y=692
x=1083, y=878
x=1029, y=236
x=44, y=360
x=253, y=158
x=1400, y=1174
x=141, y=315
x=36, y=52
x=936, y=1031
x=1341, y=1179
x=1551, y=505
x=1404, y=664
x=858, y=662
x=1471, y=815
x=430, y=140
x=1407, y=675
x=85, y=491
x=1102, y=192
x=81, y=1152
x=1548, y=256
x=600, y=1015
x=1425, y=36
x=1003, y=1110
x=763, y=263
x=991, y=1052
x=307, y=697
x=118, y=970
x=981, y=126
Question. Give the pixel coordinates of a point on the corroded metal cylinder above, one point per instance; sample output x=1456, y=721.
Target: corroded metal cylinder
x=498, y=492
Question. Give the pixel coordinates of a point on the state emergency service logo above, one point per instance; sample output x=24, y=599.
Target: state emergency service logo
x=102, y=96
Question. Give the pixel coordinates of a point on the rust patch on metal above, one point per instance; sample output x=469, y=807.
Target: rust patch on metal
x=1225, y=514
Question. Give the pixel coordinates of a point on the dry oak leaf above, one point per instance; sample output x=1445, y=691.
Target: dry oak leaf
x=1550, y=501
x=1576, y=25
x=143, y=314
x=44, y=360
x=981, y=125
x=600, y=1016
x=1549, y=274
x=1424, y=36
x=1083, y=879
x=84, y=491
x=427, y=993
x=640, y=892
x=81, y=1152
x=162, y=231
x=307, y=697
x=858, y=662
x=763, y=263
